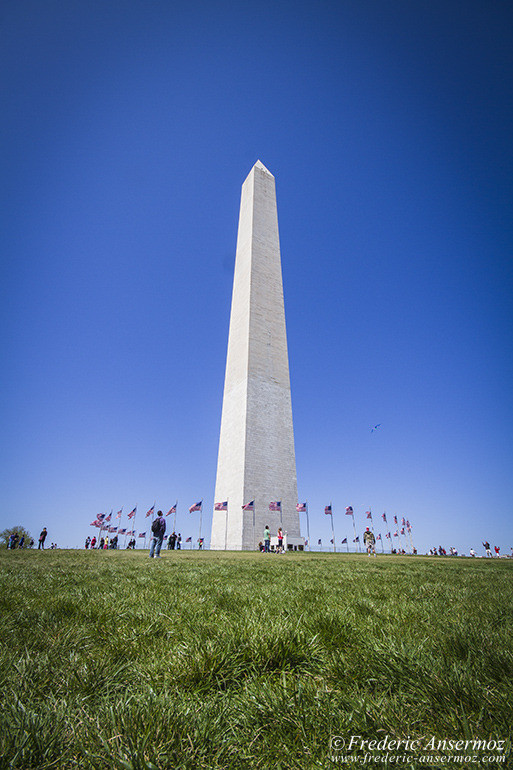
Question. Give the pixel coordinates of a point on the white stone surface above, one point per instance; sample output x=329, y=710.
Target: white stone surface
x=256, y=447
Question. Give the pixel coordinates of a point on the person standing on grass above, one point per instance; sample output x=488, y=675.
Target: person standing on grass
x=42, y=538
x=87, y=542
x=369, y=541
x=497, y=551
x=179, y=542
x=267, y=539
x=280, y=539
x=486, y=546
x=93, y=542
x=158, y=529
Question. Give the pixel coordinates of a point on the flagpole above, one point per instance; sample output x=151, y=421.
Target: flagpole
x=253, y=525
x=357, y=542
x=307, y=525
x=332, y=528
x=174, y=518
x=200, y=515
x=382, y=548
x=226, y=527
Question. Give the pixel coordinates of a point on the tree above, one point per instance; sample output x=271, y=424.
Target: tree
x=22, y=532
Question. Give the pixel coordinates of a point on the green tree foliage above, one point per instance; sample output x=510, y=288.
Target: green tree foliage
x=22, y=532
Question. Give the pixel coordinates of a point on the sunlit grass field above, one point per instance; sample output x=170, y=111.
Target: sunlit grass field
x=212, y=660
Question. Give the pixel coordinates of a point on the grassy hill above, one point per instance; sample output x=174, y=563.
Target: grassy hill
x=241, y=660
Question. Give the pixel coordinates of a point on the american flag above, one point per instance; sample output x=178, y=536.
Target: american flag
x=344, y=541
x=378, y=537
x=122, y=531
x=402, y=531
x=113, y=529
x=349, y=510
x=331, y=541
x=395, y=519
x=306, y=542
x=396, y=534
x=408, y=524
x=357, y=539
x=100, y=516
x=327, y=510
x=319, y=542
x=188, y=539
x=249, y=506
x=388, y=535
x=130, y=533
x=96, y=523
x=132, y=514
x=172, y=510
x=369, y=515
x=221, y=506
x=109, y=517
x=384, y=516
x=142, y=534
x=150, y=512
x=196, y=506
x=301, y=507
x=275, y=506
x=403, y=521
x=118, y=514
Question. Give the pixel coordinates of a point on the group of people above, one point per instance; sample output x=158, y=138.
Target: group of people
x=15, y=541
x=265, y=545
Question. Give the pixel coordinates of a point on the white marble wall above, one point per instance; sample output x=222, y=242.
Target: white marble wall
x=256, y=448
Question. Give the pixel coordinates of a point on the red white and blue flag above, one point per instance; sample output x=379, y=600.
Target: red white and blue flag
x=349, y=510
x=113, y=529
x=395, y=519
x=130, y=533
x=378, y=537
x=384, y=516
x=388, y=535
x=109, y=517
x=96, y=523
x=196, y=507
x=249, y=506
x=396, y=534
x=328, y=510
x=188, y=539
x=301, y=507
x=369, y=515
x=221, y=506
x=357, y=539
x=275, y=505
x=402, y=531
x=172, y=510
x=132, y=513
x=142, y=534
x=344, y=541
x=319, y=542
x=403, y=521
x=150, y=512
x=118, y=514
x=122, y=531
x=100, y=516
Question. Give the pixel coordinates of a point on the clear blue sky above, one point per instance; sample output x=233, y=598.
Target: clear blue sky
x=127, y=131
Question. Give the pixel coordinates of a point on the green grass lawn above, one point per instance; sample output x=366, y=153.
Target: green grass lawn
x=241, y=660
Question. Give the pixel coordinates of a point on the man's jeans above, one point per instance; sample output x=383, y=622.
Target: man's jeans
x=156, y=545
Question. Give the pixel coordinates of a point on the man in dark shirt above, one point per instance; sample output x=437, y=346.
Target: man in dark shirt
x=158, y=529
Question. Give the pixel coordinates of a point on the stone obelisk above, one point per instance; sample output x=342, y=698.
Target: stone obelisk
x=256, y=460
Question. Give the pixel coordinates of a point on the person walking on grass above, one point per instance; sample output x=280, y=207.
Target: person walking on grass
x=267, y=539
x=369, y=541
x=42, y=538
x=158, y=529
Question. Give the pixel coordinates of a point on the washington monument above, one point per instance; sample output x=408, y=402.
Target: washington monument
x=256, y=462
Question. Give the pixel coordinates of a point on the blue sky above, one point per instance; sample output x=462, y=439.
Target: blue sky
x=128, y=129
